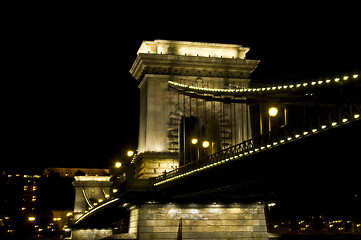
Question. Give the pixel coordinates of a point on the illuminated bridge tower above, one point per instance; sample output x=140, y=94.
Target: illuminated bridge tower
x=174, y=125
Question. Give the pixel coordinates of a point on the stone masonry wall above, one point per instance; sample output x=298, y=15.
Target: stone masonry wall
x=148, y=167
x=91, y=234
x=199, y=221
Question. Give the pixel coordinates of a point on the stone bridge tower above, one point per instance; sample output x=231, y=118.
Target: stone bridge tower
x=170, y=119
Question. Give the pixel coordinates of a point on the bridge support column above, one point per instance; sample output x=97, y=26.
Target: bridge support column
x=91, y=234
x=198, y=221
x=88, y=192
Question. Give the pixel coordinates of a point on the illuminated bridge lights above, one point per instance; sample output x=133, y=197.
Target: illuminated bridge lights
x=87, y=213
x=257, y=149
x=266, y=88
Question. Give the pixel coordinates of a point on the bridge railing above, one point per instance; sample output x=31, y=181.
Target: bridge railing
x=335, y=115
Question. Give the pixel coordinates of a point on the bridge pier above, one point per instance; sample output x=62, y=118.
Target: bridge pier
x=89, y=190
x=198, y=221
x=91, y=234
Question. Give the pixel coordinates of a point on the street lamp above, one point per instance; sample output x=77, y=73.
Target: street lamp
x=130, y=153
x=118, y=164
x=272, y=112
x=194, y=141
x=205, y=144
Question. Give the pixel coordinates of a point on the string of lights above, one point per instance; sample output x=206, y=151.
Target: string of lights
x=87, y=213
x=266, y=88
x=253, y=148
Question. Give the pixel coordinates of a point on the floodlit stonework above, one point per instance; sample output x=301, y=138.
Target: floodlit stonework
x=169, y=120
x=90, y=234
x=214, y=65
x=200, y=49
x=88, y=191
x=198, y=221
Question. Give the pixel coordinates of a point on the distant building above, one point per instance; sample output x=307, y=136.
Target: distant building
x=71, y=172
x=62, y=218
x=37, y=202
x=19, y=206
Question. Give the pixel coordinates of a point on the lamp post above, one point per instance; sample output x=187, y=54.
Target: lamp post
x=194, y=141
x=205, y=144
x=272, y=112
x=130, y=153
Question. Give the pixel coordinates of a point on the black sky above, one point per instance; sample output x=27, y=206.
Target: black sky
x=68, y=98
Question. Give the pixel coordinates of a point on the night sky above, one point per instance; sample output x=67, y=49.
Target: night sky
x=68, y=98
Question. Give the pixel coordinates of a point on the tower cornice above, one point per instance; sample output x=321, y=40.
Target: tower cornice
x=150, y=63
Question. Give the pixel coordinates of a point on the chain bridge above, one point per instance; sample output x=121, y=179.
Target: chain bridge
x=215, y=148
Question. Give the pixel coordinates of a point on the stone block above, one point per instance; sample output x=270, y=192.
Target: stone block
x=167, y=222
x=152, y=164
x=91, y=234
x=161, y=221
